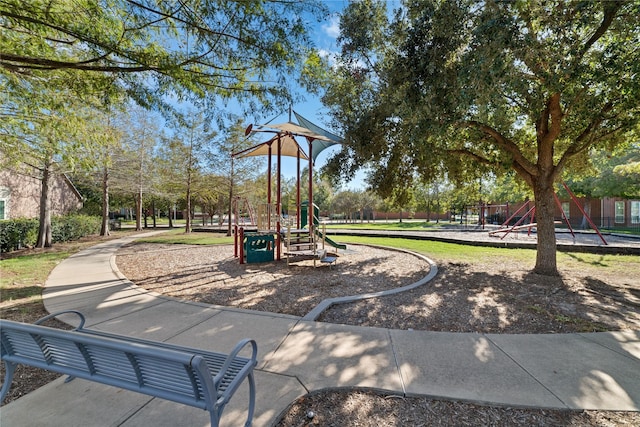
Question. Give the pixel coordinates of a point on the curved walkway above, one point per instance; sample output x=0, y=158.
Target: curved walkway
x=577, y=371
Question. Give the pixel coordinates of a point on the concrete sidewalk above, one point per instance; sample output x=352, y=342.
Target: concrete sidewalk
x=578, y=371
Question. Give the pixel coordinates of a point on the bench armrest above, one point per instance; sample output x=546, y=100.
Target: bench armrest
x=237, y=349
x=245, y=372
x=52, y=315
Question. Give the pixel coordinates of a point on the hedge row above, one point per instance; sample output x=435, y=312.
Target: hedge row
x=23, y=232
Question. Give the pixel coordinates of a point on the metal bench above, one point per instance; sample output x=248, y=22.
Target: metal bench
x=194, y=377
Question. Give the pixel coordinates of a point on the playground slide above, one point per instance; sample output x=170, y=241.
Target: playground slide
x=331, y=242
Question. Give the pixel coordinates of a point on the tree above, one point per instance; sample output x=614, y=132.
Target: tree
x=610, y=174
x=234, y=172
x=50, y=134
x=323, y=193
x=477, y=86
x=430, y=197
x=110, y=143
x=185, y=158
x=150, y=51
x=133, y=161
x=508, y=188
x=345, y=204
x=607, y=174
x=192, y=48
x=368, y=202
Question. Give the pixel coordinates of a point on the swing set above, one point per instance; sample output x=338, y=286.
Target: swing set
x=530, y=214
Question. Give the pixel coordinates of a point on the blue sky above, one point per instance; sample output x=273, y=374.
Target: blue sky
x=324, y=35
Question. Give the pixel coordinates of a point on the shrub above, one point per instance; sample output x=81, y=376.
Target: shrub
x=23, y=232
x=17, y=233
x=73, y=227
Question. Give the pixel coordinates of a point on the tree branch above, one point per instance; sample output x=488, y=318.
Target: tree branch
x=504, y=143
x=581, y=142
x=475, y=156
x=610, y=10
x=549, y=132
x=8, y=60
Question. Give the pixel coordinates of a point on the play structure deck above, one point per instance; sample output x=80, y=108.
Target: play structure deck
x=266, y=245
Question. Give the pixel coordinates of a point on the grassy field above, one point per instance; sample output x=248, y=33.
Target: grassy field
x=23, y=275
x=178, y=236
x=383, y=225
x=627, y=265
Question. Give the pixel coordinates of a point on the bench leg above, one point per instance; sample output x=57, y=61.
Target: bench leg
x=215, y=417
x=252, y=399
x=9, y=370
x=217, y=412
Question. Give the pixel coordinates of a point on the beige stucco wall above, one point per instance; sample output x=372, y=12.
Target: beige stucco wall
x=21, y=194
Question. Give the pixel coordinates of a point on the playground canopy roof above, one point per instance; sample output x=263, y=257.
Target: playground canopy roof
x=287, y=132
x=288, y=147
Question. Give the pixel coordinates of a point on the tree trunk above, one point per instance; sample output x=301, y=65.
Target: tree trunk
x=104, y=228
x=230, y=211
x=187, y=228
x=153, y=213
x=170, y=213
x=546, y=263
x=139, y=211
x=44, y=229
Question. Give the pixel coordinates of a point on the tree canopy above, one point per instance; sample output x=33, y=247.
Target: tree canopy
x=464, y=87
x=189, y=48
x=60, y=58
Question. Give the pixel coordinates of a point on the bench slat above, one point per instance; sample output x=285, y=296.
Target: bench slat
x=175, y=373
x=23, y=345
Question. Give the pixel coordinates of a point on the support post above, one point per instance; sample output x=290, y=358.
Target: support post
x=575, y=199
x=310, y=213
x=278, y=198
x=235, y=241
x=241, y=242
x=298, y=193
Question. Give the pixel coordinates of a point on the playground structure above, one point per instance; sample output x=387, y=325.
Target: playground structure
x=522, y=224
x=302, y=230
x=241, y=209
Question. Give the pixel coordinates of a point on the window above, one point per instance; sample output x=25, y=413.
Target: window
x=635, y=211
x=619, y=209
x=4, y=202
x=566, y=210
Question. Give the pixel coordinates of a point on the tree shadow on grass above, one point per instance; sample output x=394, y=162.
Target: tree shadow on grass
x=600, y=262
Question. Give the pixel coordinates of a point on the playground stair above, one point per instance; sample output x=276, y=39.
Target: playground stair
x=301, y=243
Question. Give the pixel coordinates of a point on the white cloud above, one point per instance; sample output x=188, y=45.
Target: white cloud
x=330, y=56
x=332, y=29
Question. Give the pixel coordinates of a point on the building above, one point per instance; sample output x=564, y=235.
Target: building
x=606, y=213
x=20, y=195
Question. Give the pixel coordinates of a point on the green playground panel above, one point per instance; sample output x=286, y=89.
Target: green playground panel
x=258, y=247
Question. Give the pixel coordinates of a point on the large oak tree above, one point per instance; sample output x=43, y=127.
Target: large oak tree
x=464, y=87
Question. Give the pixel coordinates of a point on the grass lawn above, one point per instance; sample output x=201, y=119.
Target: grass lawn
x=626, y=265
x=178, y=236
x=23, y=275
x=405, y=225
